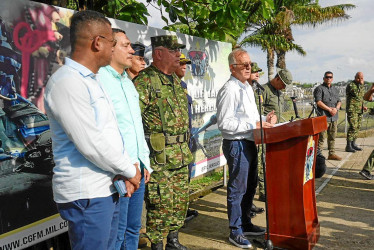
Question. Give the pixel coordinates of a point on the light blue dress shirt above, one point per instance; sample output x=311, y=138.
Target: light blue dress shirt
x=87, y=145
x=125, y=100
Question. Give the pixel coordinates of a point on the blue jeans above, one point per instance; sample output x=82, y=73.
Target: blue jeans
x=241, y=156
x=130, y=219
x=92, y=223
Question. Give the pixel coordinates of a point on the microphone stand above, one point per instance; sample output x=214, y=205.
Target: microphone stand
x=293, y=98
x=268, y=242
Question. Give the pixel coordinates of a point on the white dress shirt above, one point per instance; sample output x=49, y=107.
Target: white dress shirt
x=87, y=145
x=237, y=112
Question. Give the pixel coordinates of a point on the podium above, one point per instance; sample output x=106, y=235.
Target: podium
x=291, y=151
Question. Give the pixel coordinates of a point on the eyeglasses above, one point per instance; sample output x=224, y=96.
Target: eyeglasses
x=328, y=77
x=245, y=65
x=113, y=41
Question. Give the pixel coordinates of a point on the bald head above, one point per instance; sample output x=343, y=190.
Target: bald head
x=359, y=78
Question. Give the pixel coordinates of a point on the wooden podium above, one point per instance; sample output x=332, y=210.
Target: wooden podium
x=291, y=151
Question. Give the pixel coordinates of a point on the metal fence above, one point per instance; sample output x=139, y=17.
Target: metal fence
x=304, y=103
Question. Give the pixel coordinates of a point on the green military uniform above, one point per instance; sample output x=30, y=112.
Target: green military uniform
x=355, y=103
x=273, y=100
x=164, y=107
x=261, y=187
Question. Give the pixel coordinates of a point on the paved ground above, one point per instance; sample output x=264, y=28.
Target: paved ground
x=345, y=203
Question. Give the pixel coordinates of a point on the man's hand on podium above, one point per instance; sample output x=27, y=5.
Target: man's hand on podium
x=271, y=118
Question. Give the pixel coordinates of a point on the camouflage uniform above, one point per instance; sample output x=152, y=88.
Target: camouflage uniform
x=355, y=103
x=164, y=109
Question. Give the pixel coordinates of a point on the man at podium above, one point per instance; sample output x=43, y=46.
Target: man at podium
x=237, y=116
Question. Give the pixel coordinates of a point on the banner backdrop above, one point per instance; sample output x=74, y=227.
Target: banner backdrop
x=34, y=41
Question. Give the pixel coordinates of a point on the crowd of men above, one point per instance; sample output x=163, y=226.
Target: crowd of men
x=113, y=119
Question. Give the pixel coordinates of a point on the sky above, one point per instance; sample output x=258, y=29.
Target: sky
x=344, y=47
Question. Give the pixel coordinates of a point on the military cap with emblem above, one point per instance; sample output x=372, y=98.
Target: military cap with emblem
x=184, y=60
x=255, y=68
x=139, y=49
x=285, y=75
x=167, y=41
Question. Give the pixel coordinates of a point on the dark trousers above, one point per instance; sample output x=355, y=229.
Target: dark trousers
x=241, y=156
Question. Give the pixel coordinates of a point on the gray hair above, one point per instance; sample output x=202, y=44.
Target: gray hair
x=232, y=55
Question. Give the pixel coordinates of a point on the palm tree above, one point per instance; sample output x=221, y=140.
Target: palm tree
x=274, y=35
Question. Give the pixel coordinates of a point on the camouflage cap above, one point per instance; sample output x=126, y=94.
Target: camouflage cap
x=255, y=68
x=285, y=75
x=167, y=41
x=139, y=49
x=184, y=60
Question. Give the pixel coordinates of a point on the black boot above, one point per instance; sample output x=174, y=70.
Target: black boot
x=349, y=147
x=355, y=147
x=157, y=246
x=173, y=242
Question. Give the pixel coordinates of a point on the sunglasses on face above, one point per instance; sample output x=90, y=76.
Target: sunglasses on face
x=245, y=65
x=328, y=77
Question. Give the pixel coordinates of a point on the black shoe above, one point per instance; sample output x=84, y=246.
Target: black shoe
x=253, y=230
x=190, y=215
x=355, y=147
x=349, y=147
x=173, y=242
x=257, y=210
x=262, y=198
x=157, y=246
x=366, y=174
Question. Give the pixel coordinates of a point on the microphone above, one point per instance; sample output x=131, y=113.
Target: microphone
x=255, y=83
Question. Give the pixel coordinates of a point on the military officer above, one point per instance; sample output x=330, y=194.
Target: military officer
x=355, y=107
x=255, y=76
x=164, y=107
x=273, y=98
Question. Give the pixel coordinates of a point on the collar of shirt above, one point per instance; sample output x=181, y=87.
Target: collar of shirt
x=84, y=71
x=327, y=86
x=240, y=84
x=115, y=73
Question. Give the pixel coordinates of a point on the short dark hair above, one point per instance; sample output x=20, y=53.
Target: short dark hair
x=115, y=31
x=328, y=72
x=80, y=19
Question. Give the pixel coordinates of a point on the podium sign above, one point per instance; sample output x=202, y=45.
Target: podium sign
x=290, y=166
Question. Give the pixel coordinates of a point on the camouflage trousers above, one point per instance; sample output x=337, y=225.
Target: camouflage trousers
x=166, y=198
x=369, y=165
x=261, y=185
x=332, y=127
x=354, y=122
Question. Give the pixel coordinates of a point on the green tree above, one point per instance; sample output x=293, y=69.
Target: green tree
x=222, y=20
x=274, y=35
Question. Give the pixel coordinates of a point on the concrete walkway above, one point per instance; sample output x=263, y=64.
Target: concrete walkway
x=345, y=203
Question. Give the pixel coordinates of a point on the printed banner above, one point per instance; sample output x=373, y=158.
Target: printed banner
x=309, y=160
x=34, y=42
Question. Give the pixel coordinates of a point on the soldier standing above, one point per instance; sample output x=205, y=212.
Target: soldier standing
x=355, y=108
x=255, y=76
x=368, y=167
x=164, y=107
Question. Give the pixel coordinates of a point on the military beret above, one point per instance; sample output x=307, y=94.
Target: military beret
x=255, y=68
x=139, y=49
x=185, y=60
x=285, y=75
x=167, y=41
